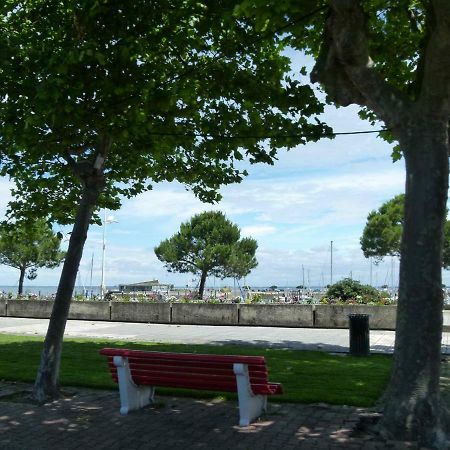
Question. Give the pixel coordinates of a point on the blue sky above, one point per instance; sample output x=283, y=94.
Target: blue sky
x=314, y=194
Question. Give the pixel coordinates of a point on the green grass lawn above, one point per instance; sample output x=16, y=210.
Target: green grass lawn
x=307, y=377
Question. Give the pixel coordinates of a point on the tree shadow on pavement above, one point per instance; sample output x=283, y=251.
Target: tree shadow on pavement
x=91, y=419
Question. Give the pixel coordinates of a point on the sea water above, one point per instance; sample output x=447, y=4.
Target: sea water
x=48, y=291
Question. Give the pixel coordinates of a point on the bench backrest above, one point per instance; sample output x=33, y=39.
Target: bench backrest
x=188, y=370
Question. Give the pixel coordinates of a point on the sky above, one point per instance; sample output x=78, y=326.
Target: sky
x=313, y=195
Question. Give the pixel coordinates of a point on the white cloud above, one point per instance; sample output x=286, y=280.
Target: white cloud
x=5, y=195
x=255, y=231
x=341, y=196
x=330, y=199
x=162, y=202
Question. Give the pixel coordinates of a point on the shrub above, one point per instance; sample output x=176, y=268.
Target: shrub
x=353, y=292
x=256, y=298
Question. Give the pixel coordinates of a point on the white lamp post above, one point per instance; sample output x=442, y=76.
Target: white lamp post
x=106, y=220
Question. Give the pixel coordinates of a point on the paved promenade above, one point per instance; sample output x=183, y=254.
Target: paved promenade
x=87, y=418
x=329, y=340
x=90, y=419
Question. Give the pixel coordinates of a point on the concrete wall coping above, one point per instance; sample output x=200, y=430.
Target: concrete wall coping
x=275, y=315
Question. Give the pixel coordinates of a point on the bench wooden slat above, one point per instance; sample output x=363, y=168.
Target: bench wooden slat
x=193, y=364
x=255, y=374
x=197, y=374
x=183, y=356
x=187, y=366
x=187, y=377
x=267, y=389
x=259, y=389
x=188, y=383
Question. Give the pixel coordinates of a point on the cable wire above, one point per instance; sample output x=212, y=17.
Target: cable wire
x=248, y=136
x=268, y=136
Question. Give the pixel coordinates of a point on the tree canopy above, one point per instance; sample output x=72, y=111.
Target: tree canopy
x=28, y=246
x=181, y=92
x=208, y=245
x=382, y=234
x=383, y=231
x=102, y=100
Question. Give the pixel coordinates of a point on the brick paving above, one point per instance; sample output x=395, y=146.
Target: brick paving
x=90, y=419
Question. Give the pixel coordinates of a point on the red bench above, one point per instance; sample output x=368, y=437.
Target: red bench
x=139, y=372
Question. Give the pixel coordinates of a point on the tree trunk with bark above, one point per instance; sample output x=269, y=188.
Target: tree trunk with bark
x=21, y=278
x=46, y=386
x=201, y=288
x=413, y=408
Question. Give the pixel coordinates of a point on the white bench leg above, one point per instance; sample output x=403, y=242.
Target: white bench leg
x=131, y=396
x=251, y=406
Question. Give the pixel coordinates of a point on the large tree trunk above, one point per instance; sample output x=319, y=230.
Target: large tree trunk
x=46, y=385
x=21, y=278
x=201, y=288
x=413, y=408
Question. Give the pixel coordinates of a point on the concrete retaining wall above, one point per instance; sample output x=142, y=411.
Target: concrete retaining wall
x=39, y=309
x=276, y=315
x=336, y=316
x=140, y=312
x=89, y=311
x=318, y=316
x=446, y=317
x=204, y=314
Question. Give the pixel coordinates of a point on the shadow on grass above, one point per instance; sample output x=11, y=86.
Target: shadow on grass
x=308, y=377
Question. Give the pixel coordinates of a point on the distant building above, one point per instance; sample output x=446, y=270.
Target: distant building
x=144, y=286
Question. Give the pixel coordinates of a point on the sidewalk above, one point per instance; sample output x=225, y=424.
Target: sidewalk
x=329, y=340
x=90, y=419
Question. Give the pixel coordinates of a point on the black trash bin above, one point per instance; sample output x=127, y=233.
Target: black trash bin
x=359, y=334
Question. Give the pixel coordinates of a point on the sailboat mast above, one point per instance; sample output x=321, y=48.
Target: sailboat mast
x=331, y=263
x=92, y=266
x=392, y=272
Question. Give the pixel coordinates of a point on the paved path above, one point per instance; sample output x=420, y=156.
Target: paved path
x=90, y=419
x=330, y=340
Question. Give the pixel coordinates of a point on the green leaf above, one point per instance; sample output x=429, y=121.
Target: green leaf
x=396, y=154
